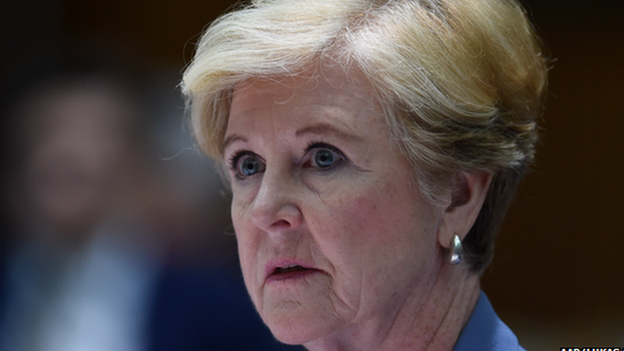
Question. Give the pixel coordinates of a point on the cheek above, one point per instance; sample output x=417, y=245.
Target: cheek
x=350, y=227
x=376, y=230
x=247, y=247
x=371, y=215
x=241, y=212
x=359, y=215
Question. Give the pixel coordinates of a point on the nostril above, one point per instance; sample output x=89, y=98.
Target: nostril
x=276, y=216
x=282, y=223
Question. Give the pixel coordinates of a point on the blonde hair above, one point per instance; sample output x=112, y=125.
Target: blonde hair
x=460, y=82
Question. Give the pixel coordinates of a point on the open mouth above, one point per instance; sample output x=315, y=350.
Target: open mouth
x=289, y=269
x=293, y=271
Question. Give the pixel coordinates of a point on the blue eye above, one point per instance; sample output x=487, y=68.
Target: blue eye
x=249, y=166
x=324, y=158
x=245, y=164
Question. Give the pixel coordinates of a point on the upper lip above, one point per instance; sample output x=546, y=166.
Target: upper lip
x=272, y=265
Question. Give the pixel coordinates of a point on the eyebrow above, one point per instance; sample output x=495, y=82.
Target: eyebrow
x=324, y=128
x=232, y=138
x=316, y=129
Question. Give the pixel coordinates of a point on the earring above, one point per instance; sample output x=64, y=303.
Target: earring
x=456, y=251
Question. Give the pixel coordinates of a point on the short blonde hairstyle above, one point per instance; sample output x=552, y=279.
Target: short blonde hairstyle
x=460, y=82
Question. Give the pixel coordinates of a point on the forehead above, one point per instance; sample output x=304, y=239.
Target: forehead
x=302, y=100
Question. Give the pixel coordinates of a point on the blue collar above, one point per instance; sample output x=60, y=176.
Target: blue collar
x=485, y=331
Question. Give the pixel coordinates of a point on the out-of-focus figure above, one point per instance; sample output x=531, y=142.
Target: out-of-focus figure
x=84, y=262
x=101, y=259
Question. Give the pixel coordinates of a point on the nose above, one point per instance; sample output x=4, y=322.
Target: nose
x=275, y=208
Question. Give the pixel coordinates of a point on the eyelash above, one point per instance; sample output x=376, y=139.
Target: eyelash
x=235, y=157
x=320, y=145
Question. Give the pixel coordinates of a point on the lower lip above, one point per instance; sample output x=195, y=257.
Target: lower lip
x=291, y=275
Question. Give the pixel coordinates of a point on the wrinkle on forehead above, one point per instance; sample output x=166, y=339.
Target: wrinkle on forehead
x=331, y=93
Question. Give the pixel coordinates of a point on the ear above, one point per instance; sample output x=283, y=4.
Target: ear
x=468, y=194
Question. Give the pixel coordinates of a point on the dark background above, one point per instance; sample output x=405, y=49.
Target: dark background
x=557, y=277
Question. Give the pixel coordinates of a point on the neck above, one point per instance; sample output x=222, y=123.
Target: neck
x=430, y=319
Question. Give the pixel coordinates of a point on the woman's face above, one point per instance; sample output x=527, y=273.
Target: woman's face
x=332, y=233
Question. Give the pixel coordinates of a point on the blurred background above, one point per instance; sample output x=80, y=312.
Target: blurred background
x=122, y=195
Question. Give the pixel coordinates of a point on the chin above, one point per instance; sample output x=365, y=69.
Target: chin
x=294, y=324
